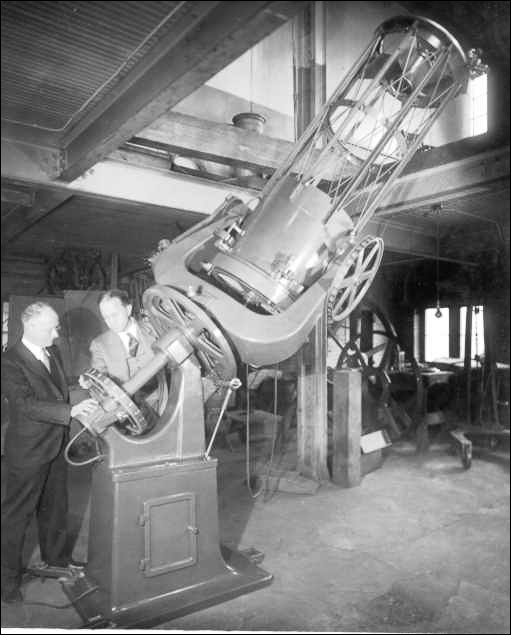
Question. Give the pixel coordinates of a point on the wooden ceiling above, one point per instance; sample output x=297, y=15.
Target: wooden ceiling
x=126, y=227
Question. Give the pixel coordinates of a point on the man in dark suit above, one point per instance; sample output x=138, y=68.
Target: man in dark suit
x=34, y=383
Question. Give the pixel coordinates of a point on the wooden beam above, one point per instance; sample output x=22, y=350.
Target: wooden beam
x=20, y=160
x=448, y=181
x=401, y=238
x=312, y=410
x=18, y=197
x=207, y=44
x=30, y=135
x=114, y=271
x=24, y=217
x=347, y=428
x=222, y=143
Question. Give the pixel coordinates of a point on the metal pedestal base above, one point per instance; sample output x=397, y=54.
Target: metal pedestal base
x=154, y=551
x=241, y=576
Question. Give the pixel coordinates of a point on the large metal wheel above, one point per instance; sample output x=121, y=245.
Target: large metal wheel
x=392, y=384
x=167, y=308
x=354, y=276
x=116, y=405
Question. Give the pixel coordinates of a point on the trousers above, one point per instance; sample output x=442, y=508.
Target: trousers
x=39, y=490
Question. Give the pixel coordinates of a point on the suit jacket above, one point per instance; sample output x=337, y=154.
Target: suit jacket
x=109, y=355
x=39, y=412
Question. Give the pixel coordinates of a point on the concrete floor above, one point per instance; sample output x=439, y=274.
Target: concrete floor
x=421, y=546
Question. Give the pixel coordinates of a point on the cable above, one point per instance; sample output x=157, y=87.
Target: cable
x=69, y=604
x=247, y=442
x=52, y=606
x=80, y=463
x=274, y=434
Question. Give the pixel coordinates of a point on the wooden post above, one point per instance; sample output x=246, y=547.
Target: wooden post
x=346, y=427
x=312, y=412
x=490, y=401
x=309, y=53
x=454, y=333
x=468, y=361
x=114, y=271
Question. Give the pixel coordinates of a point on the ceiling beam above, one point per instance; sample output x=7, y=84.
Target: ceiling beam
x=209, y=44
x=31, y=135
x=196, y=138
x=17, y=196
x=449, y=181
x=452, y=171
x=402, y=239
x=21, y=160
x=158, y=160
x=22, y=217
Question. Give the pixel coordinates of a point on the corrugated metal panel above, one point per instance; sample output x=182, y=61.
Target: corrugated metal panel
x=60, y=58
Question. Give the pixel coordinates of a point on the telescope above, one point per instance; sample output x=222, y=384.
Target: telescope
x=247, y=285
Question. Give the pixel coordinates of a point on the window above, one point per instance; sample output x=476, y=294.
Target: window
x=436, y=334
x=5, y=324
x=477, y=345
x=478, y=95
x=444, y=336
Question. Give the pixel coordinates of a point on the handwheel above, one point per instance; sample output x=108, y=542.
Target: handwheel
x=116, y=405
x=373, y=346
x=167, y=307
x=356, y=272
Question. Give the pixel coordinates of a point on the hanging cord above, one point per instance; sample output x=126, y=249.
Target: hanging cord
x=252, y=79
x=438, y=312
x=247, y=443
x=87, y=461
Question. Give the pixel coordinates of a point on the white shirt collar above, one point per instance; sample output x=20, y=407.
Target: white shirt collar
x=38, y=352
x=132, y=328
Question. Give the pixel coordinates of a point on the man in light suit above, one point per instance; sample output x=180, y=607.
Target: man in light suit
x=40, y=411
x=125, y=348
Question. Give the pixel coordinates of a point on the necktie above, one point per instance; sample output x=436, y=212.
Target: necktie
x=132, y=345
x=53, y=367
x=45, y=359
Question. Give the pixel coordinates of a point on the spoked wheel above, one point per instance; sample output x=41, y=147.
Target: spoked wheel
x=354, y=276
x=169, y=308
x=392, y=386
x=120, y=407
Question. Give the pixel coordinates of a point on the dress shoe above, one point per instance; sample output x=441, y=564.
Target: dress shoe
x=67, y=562
x=12, y=595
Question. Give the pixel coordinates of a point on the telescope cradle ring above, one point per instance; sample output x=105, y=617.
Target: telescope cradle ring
x=246, y=292
x=104, y=390
x=354, y=277
x=167, y=308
